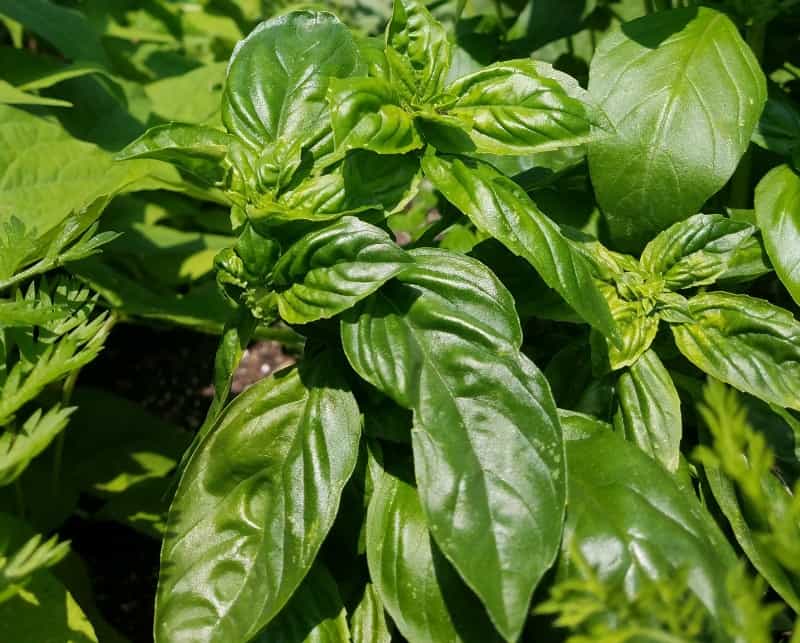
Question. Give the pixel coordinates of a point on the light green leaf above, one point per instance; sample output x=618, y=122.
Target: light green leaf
x=366, y=114
x=29, y=71
x=368, y=624
x=500, y=207
x=650, y=410
x=279, y=75
x=204, y=85
x=443, y=339
x=684, y=93
x=10, y=95
x=697, y=251
x=745, y=342
x=328, y=271
x=778, y=214
x=421, y=591
x=254, y=505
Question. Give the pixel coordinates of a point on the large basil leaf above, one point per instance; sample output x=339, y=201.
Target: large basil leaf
x=778, y=215
x=521, y=107
x=696, y=251
x=684, y=93
x=443, y=339
x=418, y=52
x=630, y=520
x=745, y=342
x=499, y=206
x=254, y=504
x=421, y=591
x=650, y=410
x=366, y=114
x=368, y=624
x=314, y=614
x=278, y=78
x=329, y=270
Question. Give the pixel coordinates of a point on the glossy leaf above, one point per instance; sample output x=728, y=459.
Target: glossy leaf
x=443, y=339
x=521, y=107
x=254, y=504
x=278, y=78
x=500, y=207
x=778, y=215
x=684, y=93
x=631, y=521
x=779, y=127
x=697, y=251
x=423, y=594
x=650, y=410
x=746, y=342
x=418, y=51
x=366, y=114
x=328, y=271
x=368, y=624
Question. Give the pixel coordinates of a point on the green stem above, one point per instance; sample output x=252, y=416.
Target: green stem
x=740, y=196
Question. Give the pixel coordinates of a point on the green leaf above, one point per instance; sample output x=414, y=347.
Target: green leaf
x=418, y=52
x=778, y=214
x=684, y=93
x=204, y=84
x=697, y=251
x=779, y=127
x=421, y=591
x=314, y=614
x=579, y=426
x=368, y=624
x=254, y=504
x=650, y=410
x=328, y=271
x=10, y=95
x=631, y=522
x=745, y=342
x=366, y=114
x=521, y=107
x=29, y=71
x=279, y=75
x=498, y=206
x=443, y=339
x=196, y=149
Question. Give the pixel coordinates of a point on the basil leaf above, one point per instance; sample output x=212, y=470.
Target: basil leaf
x=579, y=426
x=745, y=342
x=684, y=93
x=697, y=251
x=423, y=594
x=631, y=521
x=314, y=614
x=521, y=107
x=778, y=214
x=418, y=52
x=650, y=410
x=254, y=505
x=779, y=127
x=366, y=114
x=368, y=624
x=443, y=339
x=328, y=271
x=198, y=150
x=278, y=78
x=500, y=207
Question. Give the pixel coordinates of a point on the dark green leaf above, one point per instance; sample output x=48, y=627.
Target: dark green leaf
x=254, y=504
x=779, y=127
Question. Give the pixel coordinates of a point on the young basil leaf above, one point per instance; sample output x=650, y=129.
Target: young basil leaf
x=198, y=150
x=328, y=271
x=579, y=426
x=278, y=78
x=423, y=594
x=745, y=342
x=443, y=339
x=368, y=623
x=500, y=207
x=684, y=93
x=314, y=614
x=521, y=107
x=366, y=114
x=697, y=251
x=778, y=214
x=631, y=521
x=650, y=410
x=254, y=505
x=418, y=52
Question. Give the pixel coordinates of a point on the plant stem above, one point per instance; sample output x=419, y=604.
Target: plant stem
x=740, y=183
